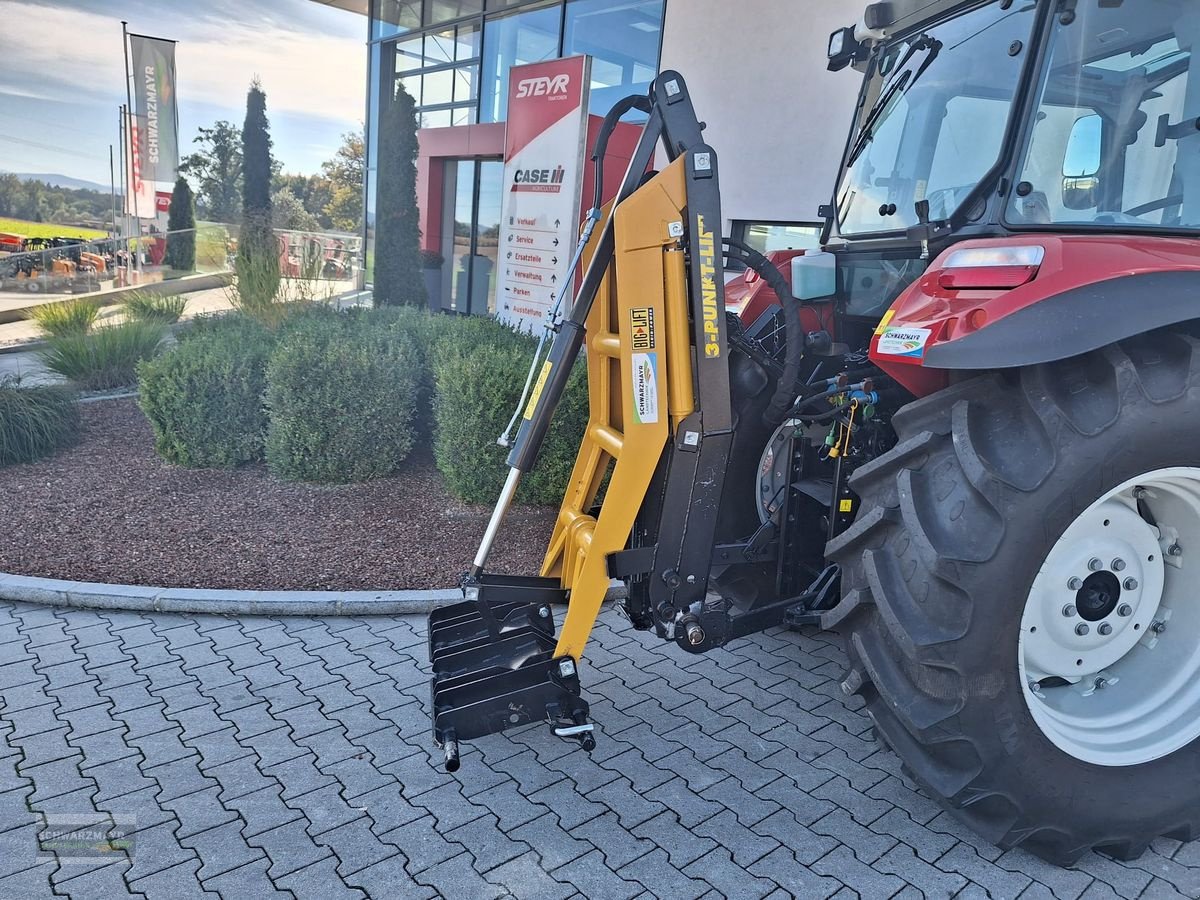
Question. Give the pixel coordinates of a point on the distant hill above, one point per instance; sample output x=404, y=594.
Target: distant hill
x=63, y=181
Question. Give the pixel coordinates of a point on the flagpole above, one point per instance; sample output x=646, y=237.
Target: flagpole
x=137, y=255
x=112, y=186
x=126, y=226
x=124, y=189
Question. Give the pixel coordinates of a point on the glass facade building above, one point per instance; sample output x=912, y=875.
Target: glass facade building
x=453, y=57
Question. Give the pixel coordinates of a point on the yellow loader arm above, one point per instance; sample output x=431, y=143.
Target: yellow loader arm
x=650, y=316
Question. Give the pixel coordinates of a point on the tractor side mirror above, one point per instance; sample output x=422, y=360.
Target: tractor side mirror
x=814, y=277
x=1081, y=163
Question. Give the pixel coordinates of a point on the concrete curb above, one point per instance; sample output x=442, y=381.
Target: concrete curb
x=138, y=598
x=117, y=395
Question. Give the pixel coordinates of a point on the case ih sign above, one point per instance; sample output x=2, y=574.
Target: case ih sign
x=543, y=165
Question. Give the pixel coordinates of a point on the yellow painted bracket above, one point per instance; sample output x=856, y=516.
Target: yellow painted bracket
x=640, y=386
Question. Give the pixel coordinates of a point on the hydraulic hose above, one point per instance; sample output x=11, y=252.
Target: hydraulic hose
x=600, y=149
x=785, y=391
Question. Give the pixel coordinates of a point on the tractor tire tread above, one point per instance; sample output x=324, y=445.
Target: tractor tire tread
x=934, y=512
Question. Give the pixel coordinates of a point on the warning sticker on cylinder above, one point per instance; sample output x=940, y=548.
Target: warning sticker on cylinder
x=645, y=388
x=900, y=341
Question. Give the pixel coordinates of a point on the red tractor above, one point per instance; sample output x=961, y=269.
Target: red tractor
x=965, y=434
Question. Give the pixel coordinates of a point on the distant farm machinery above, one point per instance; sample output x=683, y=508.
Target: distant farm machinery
x=54, y=265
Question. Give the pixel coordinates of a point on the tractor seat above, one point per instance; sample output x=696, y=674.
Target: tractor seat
x=1033, y=209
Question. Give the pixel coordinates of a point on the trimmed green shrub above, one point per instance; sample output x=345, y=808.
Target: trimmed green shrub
x=423, y=329
x=204, y=397
x=341, y=398
x=152, y=308
x=479, y=367
x=107, y=357
x=224, y=322
x=35, y=421
x=66, y=317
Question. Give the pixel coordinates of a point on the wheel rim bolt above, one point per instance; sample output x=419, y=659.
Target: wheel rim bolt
x=1068, y=611
x=1124, y=610
x=1095, y=564
x=1082, y=628
x=1158, y=627
x=1131, y=584
x=1175, y=550
x=1118, y=564
x=1105, y=629
x=1075, y=583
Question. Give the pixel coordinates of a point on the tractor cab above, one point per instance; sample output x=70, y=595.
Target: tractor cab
x=1004, y=119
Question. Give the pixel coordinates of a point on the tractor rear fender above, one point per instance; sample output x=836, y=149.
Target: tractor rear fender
x=1075, y=322
x=1086, y=292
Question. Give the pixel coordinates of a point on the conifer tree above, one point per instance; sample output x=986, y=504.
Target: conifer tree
x=258, y=250
x=181, y=228
x=398, y=276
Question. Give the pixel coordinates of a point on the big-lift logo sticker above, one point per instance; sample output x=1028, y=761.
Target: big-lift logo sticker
x=641, y=323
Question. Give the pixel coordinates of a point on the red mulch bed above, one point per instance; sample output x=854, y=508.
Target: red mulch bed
x=110, y=510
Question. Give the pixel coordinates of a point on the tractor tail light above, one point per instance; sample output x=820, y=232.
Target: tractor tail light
x=990, y=268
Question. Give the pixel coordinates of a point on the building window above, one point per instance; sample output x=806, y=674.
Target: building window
x=445, y=10
x=440, y=70
x=524, y=37
x=623, y=41
x=472, y=191
x=389, y=17
x=453, y=56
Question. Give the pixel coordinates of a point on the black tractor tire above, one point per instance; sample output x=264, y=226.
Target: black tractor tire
x=953, y=526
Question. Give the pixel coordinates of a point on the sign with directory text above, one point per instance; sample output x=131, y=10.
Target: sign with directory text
x=543, y=170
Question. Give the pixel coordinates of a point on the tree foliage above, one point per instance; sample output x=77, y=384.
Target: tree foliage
x=332, y=199
x=344, y=177
x=181, y=228
x=216, y=168
x=258, y=251
x=288, y=211
x=398, y=276
x=311, y=190
x=35, y=201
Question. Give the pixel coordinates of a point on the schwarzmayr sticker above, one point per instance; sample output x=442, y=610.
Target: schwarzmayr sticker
x=900, y=341
x=645, y=388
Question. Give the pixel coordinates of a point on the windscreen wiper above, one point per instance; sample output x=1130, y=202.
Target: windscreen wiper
x=899, y=84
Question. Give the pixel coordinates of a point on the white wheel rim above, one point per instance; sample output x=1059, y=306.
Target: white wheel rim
x=1112, y=677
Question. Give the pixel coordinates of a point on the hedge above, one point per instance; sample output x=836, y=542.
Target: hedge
x=341, y=399
x=204, y=397
x=345, y=396
x=479, y=368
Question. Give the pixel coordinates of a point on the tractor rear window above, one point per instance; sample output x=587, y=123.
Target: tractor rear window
x=1116, y=139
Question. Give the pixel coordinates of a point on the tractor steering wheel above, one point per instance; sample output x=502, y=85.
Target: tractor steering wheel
x=1154, y=205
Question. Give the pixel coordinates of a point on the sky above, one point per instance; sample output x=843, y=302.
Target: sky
x=62, y=76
